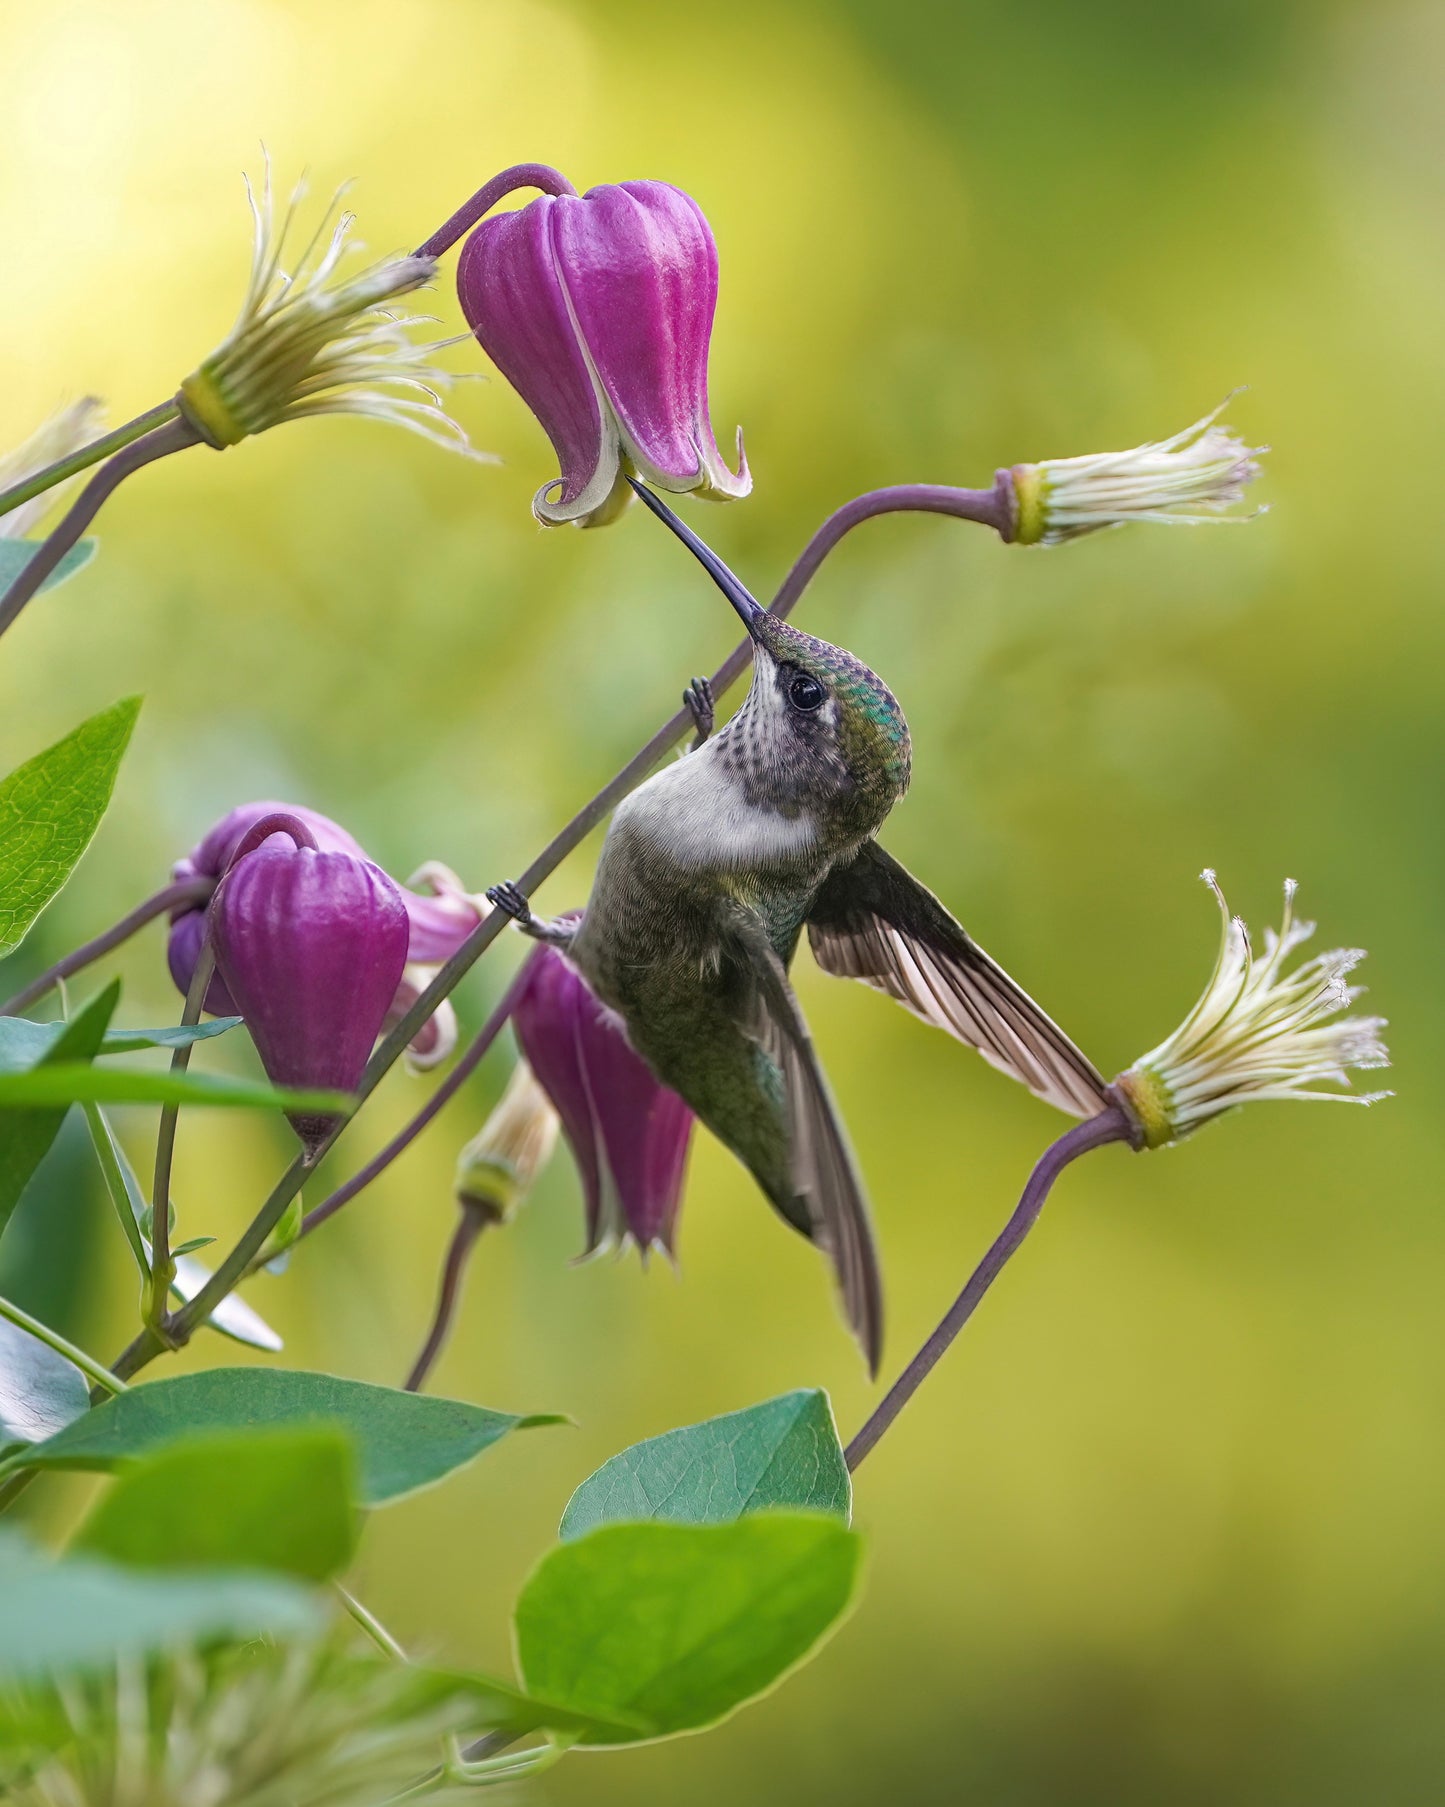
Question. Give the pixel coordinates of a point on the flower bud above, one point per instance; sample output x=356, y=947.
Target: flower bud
x=628, y=1134
x=441, y=918
x=498, y=1167
x=598, y=309
x=310, y=341
x=1257, y=1032
x=1182, y=481
x=311, y=946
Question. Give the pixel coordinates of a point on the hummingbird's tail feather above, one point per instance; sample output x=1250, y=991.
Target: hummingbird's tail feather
x=821, y=1193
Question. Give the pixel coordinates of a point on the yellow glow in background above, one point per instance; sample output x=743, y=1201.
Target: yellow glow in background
x=1166, y=1528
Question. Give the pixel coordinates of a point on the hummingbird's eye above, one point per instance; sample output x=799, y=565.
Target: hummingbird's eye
x=805, y=692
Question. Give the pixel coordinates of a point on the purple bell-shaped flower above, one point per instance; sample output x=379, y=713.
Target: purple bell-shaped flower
x=310, y=943
x=598, y=309
x=628, y=1134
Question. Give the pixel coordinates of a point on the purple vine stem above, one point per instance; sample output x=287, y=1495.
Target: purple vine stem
x=160, y=442
x=1111, y=1125
x=520, y=175
x=470, y=1225
x=173, y=897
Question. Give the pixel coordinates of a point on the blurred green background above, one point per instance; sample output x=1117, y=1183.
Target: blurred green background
x=1167, y=1525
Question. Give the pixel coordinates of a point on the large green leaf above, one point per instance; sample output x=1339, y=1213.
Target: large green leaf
x=676, y=1626
x=23, y=1042
x=497, y=1706
x=81, y=1613
x=403, y=1440
x=26, y=1135
x=784, y=1452
x=63, y=1082
x=281, y=1498
x=50, y=807
x=15, y=555
x=40, y=1391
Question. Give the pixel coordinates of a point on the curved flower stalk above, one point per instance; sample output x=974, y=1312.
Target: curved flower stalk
x=1193, y=476
x=311, y=339
x=598, y=309
x=52, y=442
x=1259, y=1031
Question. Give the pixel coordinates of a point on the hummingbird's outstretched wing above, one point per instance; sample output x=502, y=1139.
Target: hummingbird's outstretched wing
x=873, y=921
x=828, y=1205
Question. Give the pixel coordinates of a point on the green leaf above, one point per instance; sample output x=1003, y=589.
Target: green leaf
x=50, y=808
x=279, y=1499
x=15, y=555
x=40, y=1391
x=676, y=1626
x=23, y=1042
x=27, y=1134
x=189, y=1248
x=82, y=1613
x=74, y=1082
x=784, y=1452
x=403, y=1440
x=499, y=1707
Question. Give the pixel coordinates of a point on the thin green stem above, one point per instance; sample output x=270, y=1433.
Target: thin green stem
x=163, y=1267
x=370, y=1624
x=87, y=1364
x=87, y=456
x=102, y=1137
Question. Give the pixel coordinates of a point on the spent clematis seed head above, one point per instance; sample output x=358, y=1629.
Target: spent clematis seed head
x=628, y=1134
x=499, y=1166
x=310, y=943
x=1258, y=1031
x=598, y=309
x=313, y=339
x=1193, y=477
x=440, y=914
x=65, y=432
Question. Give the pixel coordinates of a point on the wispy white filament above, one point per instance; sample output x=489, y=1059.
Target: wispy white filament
x=309, y=340
x=1259, y=1031
x=1192, y=477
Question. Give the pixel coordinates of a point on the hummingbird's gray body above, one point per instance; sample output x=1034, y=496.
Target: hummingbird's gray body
x=709, y=873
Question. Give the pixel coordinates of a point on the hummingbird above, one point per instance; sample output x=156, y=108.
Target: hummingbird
x=709, y=874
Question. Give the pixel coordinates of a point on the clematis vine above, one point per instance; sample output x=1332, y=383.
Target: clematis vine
x=598, y=309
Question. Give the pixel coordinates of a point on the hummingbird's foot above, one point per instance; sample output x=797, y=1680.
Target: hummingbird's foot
x=698, y=701
x=509, y=900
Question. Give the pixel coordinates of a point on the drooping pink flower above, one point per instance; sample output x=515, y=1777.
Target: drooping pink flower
x=598, y=309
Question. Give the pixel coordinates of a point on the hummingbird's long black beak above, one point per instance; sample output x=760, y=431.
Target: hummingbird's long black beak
x=737, y=593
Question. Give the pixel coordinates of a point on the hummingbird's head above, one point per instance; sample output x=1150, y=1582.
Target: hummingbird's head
x=819, y=730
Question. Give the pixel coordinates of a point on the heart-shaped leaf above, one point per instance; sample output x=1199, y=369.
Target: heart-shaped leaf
x=676, y=1626
x=50, y=808
x=82, y=1613
x=279, y=1499
x=40, y=1391
x=784, y=1452
x=403, y=1440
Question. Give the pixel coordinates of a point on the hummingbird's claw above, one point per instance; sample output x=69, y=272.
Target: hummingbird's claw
x=698, y=701
x=510, y=901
